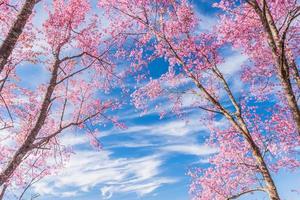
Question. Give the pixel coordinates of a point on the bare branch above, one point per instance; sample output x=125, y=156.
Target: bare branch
x=3, y=191
x=246, y=192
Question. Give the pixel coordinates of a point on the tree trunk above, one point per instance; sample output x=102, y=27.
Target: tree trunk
x=291, y=99
x=15, y=31
x=30, y=139
x=296, y=73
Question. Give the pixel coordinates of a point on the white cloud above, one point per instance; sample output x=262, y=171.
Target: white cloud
x=207, y=22
x=233, y=63
x=141, y=189
x=191, y=149
x=175, y=128
x=72, y=139
x=69, y=194
x=172, y=128
x=132, y=144
x=204, y=161
x=148, y=187
x=42, y=187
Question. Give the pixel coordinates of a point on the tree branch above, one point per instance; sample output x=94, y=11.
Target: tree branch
x=246, y=192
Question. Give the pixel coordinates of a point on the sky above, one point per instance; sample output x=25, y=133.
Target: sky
x=151, y=158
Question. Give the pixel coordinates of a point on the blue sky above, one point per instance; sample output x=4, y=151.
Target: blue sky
x=150, y=159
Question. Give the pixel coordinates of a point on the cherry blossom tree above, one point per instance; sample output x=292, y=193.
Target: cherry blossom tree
x=13, y=53
x=268, y=32
x=250, y=149
x=75, y=56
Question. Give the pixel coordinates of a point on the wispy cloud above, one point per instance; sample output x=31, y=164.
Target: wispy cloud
x=172, y=127
x=191, y=149
x=89, y=169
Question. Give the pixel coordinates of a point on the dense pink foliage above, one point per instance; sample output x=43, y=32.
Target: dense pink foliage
x=241, y=27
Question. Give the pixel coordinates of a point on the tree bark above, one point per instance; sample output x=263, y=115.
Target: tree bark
x=15, y=31
x=291, y=99
x=296, y=73
x=30, y=139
